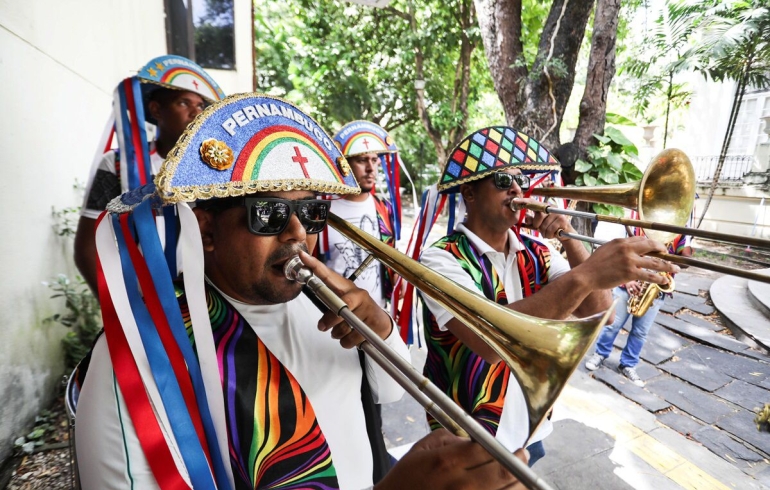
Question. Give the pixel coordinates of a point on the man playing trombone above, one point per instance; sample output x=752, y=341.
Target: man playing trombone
x=229, y=378
x=487, y=254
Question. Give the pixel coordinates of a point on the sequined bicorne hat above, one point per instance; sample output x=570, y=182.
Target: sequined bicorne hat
x=362, y=137
x=130, y=113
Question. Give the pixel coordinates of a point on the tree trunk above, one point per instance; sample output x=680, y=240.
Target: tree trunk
x=601, y=69
x=461, y=85
x=463, y=75
x=550, y=82
x=500, y=25
x=668, y=107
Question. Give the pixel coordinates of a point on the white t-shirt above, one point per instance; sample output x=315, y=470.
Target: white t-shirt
x=104, y=185
x=345, y=256
x=514, y=421
x=329, y=375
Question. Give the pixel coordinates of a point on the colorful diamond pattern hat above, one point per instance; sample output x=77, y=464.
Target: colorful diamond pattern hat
x=253, y=143
x=176, y=72
x=361, y=137
x=491, y=149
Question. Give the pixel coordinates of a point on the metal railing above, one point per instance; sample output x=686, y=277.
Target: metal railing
x=734, y=168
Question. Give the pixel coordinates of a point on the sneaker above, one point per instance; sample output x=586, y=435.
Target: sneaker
x=632, y=375
x=593, y=362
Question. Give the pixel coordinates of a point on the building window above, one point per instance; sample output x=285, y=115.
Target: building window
x=202, y=30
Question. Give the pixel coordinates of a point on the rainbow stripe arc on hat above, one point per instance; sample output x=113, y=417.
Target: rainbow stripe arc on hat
x=177, y=72
x=491, y=149
x=271, y=146
x=362, y=137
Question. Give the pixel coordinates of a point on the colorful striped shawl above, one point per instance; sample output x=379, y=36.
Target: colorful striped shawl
x=274, y=438
x=474, y=384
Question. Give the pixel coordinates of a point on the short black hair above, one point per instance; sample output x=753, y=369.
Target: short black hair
x=219, y=204
x=163, y=95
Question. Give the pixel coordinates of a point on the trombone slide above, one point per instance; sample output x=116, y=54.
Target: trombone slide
x=429, y=396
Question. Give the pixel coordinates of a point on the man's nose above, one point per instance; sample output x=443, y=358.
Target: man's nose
x=515, y=189
x=294, y=231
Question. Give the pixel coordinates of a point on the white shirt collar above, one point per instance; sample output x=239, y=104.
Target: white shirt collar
x=514, y=244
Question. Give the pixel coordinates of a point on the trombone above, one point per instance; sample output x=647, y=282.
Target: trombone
x=666, y=193
x=542, y=354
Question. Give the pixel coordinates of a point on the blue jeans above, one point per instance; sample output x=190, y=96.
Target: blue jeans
x=536, y=451
x=640, y=326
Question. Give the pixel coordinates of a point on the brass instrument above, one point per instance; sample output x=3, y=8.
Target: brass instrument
x=639, y=303
x=666, y=194
x=542, y=354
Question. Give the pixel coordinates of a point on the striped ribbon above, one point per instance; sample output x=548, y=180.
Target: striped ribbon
x=127, y=373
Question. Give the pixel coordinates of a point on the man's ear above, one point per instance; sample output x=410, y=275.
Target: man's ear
x=154, y=108
x=206, y=224
x=466, y=191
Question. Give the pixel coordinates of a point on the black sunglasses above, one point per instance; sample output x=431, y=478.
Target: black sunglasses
x=504, y=180
x=271, y=215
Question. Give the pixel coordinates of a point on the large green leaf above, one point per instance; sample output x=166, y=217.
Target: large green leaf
x=582, y=166
x=608, y=176
x=618, y=119
x=615, y=135
x=615, y=161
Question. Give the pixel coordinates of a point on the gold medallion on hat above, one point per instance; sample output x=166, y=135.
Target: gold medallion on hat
x=217, y=154
x=342, y=162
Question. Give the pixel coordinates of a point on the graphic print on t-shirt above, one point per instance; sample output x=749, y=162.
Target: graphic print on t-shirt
x=354, y=255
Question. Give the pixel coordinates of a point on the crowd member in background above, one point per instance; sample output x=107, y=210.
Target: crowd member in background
x=168, y=93
x=367, y=148
x=640, y=324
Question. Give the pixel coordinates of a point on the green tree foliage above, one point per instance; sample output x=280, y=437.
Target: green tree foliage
x=658, y=58
x=611, y=162
x=343, y=62
x=734, y=45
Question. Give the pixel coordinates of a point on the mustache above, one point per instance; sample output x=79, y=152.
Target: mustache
x=285, y=252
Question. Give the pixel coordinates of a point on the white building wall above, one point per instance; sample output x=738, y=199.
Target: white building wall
x=59, y=63
x=735, y=209
x=707, y=118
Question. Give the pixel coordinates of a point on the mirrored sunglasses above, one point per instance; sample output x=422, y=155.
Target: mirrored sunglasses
x=271, y=215
x=504, y=180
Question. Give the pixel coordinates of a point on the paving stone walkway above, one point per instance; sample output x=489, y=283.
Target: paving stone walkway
x=700, y=381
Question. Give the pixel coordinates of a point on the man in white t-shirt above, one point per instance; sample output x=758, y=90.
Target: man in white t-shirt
x=230, y=377
x=168, y=92
x=486, y=254
x=367, y=147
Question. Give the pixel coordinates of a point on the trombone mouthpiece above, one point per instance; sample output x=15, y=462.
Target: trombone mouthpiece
x=295, y=270
x=517, y=206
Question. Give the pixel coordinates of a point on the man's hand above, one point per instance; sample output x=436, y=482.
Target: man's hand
x=634, y=288
x=442, y=461
x=357, y=299
x=622, y=260
x=548, y=224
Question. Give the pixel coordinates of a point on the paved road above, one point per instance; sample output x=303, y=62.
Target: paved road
x=690, y=427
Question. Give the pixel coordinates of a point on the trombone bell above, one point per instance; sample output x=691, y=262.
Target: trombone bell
x=542, y=354
x=666, y=193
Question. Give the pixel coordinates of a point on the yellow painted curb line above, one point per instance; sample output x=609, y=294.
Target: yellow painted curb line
x=584, y=408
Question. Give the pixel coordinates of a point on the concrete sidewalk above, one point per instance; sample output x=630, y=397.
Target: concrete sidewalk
x=601, y=440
